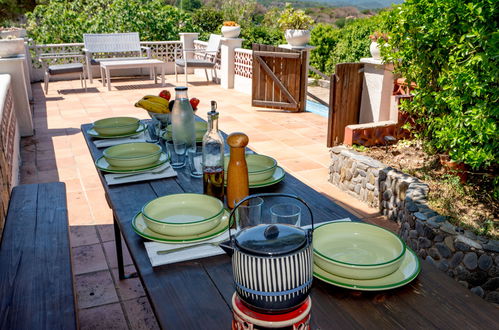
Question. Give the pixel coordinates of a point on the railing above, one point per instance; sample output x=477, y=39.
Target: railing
x=243, y=62
x=164, y=50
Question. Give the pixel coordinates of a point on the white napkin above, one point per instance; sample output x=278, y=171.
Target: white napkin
x=197, y=251
x=102, y=143
x=150, y=175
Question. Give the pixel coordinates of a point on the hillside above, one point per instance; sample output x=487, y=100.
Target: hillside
x=359, y=4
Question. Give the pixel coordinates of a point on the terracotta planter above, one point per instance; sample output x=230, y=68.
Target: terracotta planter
x=11, y=47
x=231, y=31
x=453, y=167
x=375, y=50
x=297, y=38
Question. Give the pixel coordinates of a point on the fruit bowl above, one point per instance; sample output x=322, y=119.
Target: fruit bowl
x=116, y=125
x=132, y=154
x=260, y=167
x=164, y=118
x=357, y=250
x=183, y=214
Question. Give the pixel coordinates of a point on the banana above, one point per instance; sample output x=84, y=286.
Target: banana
x=156, y=99
x=152, y=106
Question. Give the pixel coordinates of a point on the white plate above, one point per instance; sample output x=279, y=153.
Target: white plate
x=407, y=272
x=103, y=165
x=93, y=133
x=139, y=226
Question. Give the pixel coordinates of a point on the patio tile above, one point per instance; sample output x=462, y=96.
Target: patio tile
x=95, y=289
x=82, y=235
x=140, y=315
x=131, y=288
x=48, y=176
x=300, y=164
x=88, y=259
x=110, y=250
x=106, y=232
x=103, y=317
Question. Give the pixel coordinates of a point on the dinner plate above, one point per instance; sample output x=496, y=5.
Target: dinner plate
x=407, y=272
x=93, y=133
x=278, y=176
x=139, y=226
x=103, y=165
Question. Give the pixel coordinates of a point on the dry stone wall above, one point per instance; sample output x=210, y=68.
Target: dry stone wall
x=470, y=259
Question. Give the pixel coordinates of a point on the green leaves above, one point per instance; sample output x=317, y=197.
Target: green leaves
x=449, y=48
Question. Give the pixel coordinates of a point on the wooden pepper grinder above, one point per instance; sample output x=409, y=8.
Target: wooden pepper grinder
x=237, y=171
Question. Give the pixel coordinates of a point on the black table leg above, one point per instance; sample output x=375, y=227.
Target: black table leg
x=119, y=252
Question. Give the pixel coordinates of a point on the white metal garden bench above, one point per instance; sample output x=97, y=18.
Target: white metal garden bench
x=107, y=45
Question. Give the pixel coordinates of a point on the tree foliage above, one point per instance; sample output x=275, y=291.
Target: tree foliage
x=450, y=48
x=61, y=21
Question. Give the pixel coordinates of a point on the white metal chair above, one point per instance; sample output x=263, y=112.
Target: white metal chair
x=207, y=62
x=109, y=43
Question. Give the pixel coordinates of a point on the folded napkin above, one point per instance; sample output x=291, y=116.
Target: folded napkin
x=102, y=143
x=197, y=251
x=161, y=172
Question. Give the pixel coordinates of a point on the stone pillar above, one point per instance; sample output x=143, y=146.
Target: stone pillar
x=377, y=99
x=188, y=44
x=227, y=47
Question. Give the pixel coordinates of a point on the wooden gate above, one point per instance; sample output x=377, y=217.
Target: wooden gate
x=279, y=78
x=344, y=100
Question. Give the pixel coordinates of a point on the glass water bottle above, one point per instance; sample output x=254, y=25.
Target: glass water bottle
x=183, y=129
x=213, y=157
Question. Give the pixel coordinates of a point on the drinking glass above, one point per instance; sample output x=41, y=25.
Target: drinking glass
x=249, y=213
x=289, y=214
x=153, y=129
x=195, y=158
x=177, y=154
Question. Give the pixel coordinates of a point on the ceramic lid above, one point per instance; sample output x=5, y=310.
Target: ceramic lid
x=270, y=240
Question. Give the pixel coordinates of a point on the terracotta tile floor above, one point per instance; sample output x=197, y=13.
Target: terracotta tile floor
x=57, y=152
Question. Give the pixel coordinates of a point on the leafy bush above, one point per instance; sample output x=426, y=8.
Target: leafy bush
x=61, y=21
x=208, y=20
x=262, y=35
x=348, y=44
x=449, y=48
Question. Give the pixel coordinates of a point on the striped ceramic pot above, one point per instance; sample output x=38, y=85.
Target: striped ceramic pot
x=278, y=281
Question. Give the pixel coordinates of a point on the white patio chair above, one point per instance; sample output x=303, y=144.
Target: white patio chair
x=109, y=43
x=207, y=62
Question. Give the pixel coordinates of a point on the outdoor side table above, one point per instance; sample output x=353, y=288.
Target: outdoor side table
x=107, y=66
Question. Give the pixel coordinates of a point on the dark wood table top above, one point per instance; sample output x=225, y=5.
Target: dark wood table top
x=197, y=294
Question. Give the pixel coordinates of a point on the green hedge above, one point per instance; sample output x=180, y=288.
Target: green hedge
x=61, y=21
x=450, y=49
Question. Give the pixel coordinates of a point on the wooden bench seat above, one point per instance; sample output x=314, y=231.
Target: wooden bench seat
x=36, y=281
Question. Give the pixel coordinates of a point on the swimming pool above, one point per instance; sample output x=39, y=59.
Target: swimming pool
x=317, y=108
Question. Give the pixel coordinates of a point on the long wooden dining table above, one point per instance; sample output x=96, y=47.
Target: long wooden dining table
x=197, y=294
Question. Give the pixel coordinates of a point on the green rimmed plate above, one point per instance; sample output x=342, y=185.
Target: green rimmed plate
x=103, y=165
x=408, y=271
x=278, y=176
x=139, y=226
x=93, y=133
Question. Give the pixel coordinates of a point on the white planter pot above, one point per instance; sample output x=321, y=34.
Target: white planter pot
x=18, y=33
x=11, y=47
x=297, y=37
x=375, y=51
x=231, y=31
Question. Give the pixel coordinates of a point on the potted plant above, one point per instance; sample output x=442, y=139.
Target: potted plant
x=15, y=32
x=231, y=29
x=374, y=48
x=11, y=46
x=296, y=25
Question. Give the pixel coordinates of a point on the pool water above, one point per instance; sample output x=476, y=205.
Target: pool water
x=317, y=108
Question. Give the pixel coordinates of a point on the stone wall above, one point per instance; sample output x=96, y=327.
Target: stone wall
x=470, y=259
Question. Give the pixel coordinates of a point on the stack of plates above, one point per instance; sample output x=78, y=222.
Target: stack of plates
x=263, y=170
x=361, y=256
x=181, y=218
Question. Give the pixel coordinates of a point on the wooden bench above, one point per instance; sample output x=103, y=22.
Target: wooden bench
x=36, y=281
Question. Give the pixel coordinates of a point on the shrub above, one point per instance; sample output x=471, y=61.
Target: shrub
x=262, y=35
x=208, y=20
x=61, y=21
x=449, y=48
x=294, y=19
